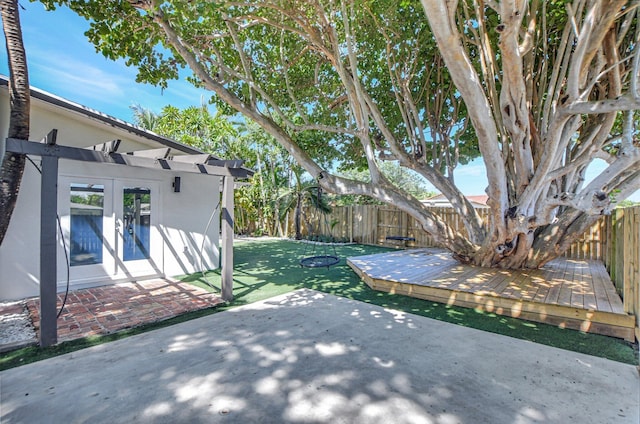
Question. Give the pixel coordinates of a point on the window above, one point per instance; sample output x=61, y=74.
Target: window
x=86, y=229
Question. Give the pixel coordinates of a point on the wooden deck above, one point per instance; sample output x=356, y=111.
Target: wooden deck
x=570, y=293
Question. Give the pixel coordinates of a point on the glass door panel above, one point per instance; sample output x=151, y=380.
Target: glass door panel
x=86, y=224
x=136, y=203
x=86, y=252
x=139, y=243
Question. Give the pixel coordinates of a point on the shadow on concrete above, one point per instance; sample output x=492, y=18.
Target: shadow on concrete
x=313, y=357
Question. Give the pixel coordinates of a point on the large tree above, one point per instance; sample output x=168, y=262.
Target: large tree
x=12, y=164
x=538, y=88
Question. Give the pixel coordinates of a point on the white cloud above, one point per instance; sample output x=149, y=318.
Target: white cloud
x=82, y=79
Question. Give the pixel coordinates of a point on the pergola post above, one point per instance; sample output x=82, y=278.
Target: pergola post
x=227, y=238
x=48, y=251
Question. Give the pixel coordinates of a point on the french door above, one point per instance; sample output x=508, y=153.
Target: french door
x=110, y=228
x=139, y=245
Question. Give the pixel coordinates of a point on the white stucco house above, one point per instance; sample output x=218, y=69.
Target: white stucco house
x=141, y=206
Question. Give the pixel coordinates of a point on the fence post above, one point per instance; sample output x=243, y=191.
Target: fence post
x=350, y=223
x=630, y=259
x=635, y=279
x=619, y=251
x=611, y=248
x=375, y=225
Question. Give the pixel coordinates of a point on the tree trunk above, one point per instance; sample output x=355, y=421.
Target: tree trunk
x=297, y=216
x=12, y=166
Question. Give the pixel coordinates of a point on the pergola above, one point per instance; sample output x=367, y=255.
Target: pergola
x=157, y=159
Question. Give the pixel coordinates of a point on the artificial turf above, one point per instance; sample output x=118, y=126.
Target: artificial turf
x=266, y=268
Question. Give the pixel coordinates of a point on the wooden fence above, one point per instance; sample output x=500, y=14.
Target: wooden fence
x=613, y=239
x=372, y=224
x=621, y=257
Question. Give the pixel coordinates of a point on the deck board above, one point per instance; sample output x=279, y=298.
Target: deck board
x=556, y=277
x=589, y=296
x=494, y=285
x=571, y=293
x=543, y=288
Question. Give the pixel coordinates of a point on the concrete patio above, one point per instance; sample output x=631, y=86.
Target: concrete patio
x=313, y=357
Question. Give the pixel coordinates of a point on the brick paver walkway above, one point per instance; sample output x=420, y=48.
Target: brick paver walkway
x=107, y=309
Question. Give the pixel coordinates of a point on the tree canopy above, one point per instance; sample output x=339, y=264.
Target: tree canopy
x=538, y=88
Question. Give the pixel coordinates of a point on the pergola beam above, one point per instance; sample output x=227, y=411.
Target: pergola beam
x=161, y=153
x=220, y=169
x=109, y=146
x=193, y=159
x=227, y=163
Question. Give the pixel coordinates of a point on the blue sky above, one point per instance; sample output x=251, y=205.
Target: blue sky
x=63, y=62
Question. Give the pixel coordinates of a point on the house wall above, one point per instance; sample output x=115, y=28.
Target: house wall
x=19, y=252
x=180, y=229
x=186, y=218
x=181, y=246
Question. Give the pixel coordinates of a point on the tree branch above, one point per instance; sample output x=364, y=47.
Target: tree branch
x=441, y=19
